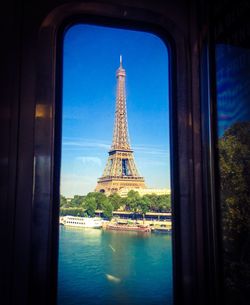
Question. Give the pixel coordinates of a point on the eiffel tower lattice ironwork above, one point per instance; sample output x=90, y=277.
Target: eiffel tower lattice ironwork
x=120, y=171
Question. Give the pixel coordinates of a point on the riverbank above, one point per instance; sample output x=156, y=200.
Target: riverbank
x=164, y=226
x=158, y=226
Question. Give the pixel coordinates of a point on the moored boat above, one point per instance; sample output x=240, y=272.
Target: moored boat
x=84, y=222
x=127, y=227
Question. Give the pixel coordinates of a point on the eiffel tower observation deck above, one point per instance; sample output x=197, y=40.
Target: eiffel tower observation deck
x=120, y=170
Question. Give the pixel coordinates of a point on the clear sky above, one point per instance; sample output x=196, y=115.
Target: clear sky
x=90, y=60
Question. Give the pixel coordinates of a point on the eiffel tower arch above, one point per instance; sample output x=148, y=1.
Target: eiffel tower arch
x=120, y=170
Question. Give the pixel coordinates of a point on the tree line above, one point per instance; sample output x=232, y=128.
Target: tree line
x=234, y=162
x=87, y=205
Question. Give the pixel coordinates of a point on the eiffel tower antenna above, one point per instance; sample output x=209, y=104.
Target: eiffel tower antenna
x=120, y=135
x=120, y=171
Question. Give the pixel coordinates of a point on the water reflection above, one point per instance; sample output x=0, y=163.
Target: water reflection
x=117, y=268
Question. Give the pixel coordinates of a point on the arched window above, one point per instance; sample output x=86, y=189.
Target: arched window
x=31, y=113
x=48, y=120
x=128, y=98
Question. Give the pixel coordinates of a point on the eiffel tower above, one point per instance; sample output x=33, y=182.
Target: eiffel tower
x=120, y=171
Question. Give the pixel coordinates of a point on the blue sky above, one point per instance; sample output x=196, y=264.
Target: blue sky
x=90, y=60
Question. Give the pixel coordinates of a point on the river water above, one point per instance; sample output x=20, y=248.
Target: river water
x=114, y=268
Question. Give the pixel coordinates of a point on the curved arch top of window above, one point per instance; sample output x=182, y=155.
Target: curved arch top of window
x=47, y=145
x=115, y=218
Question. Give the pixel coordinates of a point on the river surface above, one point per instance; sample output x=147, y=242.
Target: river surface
x=114, y=268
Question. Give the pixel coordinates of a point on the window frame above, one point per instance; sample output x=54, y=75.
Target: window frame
x=188, y=241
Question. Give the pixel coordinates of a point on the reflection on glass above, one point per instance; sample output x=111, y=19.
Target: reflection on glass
x=115, y=208
x=233, y=108
x=233, y=85
x=114, y=267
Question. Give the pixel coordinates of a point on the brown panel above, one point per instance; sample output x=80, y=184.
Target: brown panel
x=9, y=112
x=38, y=130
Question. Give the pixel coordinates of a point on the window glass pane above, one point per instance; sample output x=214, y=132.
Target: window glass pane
x=115, y=211
x=233, y=125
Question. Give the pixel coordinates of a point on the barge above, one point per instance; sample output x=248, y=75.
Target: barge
x=128, y=227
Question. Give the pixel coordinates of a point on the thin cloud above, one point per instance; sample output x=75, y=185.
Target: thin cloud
x=88, y=159
x=151, y=150
x=76, y=144
x=84, y=144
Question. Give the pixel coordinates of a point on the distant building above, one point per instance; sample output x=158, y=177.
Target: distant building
x=145, y=191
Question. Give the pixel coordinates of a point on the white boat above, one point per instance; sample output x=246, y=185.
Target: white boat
x=84, y=222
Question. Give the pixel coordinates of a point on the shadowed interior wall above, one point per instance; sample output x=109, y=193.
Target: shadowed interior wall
x=29, y=159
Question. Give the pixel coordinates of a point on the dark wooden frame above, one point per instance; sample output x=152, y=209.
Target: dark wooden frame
x=50, y=45
x=35, y=241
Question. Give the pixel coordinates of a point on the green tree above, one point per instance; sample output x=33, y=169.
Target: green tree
x=77, y=201
x=123, y=203
x=63, y=201
x=234, y=162
x=99, y=198
x=133, y=194
x=132, y=202
x=143, y=205
x=90, y=205
x=153, y=202
x=168, y=202
x=163, y=204
x=107, y=209
x=72, y=211
x=115, y=200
